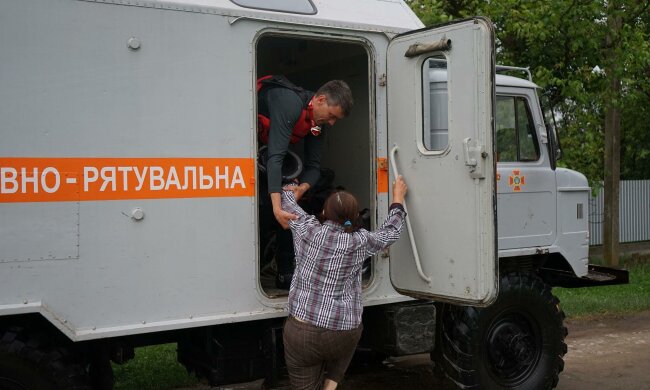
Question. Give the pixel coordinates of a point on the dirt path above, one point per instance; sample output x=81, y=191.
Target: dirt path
x=612, y=353
x=604, y=354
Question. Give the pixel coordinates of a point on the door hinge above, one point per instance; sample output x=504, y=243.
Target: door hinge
x=382, y=80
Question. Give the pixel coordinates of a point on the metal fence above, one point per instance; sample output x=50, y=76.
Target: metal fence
x=634, y=213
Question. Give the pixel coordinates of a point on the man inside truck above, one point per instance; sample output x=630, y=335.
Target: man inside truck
x=287, y=114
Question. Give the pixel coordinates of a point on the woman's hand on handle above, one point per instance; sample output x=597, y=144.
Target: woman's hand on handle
x=399, y=190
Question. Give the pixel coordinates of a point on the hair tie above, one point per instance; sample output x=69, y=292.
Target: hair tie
x=347, y=223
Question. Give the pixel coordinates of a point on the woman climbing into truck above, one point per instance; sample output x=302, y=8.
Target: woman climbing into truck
x=325, y=298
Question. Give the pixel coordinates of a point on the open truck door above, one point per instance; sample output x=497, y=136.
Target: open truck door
x=440, y=129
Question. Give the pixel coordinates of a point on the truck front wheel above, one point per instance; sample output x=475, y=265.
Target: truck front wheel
x=515, y=343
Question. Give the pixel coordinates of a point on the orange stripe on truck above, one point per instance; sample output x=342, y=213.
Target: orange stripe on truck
x=382, y=175
x=24, y=179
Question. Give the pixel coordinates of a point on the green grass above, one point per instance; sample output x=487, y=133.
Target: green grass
x=154, y=368
x=610, y=300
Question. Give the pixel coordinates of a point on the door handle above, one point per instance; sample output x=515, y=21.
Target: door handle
x=418, y=265
x=475, y=156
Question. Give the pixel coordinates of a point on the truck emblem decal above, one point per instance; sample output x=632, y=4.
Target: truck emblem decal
x=517, y=180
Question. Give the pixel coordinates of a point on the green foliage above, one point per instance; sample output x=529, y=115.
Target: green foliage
x=430, y=12
x=433, y=12
x=566, y=45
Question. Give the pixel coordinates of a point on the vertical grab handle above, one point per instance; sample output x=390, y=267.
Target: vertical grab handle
x=408, y=222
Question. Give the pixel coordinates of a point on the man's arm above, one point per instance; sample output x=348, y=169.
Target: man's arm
x=285, y=108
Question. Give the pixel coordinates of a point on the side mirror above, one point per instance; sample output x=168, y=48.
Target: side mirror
x=554, y=148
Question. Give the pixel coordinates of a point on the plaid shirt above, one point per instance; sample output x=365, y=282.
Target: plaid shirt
x=326, y=286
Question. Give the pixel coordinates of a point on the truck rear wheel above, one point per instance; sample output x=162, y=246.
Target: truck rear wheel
x=30, y=362
x=516, y=343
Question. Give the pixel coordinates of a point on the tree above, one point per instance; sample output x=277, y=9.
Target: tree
x=611, y=101
x=564, y=44
x=635, y=139
x=592, y=61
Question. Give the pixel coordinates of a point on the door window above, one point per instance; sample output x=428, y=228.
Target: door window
x=516, y=137
x=435, y=133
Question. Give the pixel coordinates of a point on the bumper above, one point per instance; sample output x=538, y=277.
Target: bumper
x=597, y=276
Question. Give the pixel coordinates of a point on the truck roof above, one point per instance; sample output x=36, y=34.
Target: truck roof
x=511, y=81
x=387, y=16
x=440, y=75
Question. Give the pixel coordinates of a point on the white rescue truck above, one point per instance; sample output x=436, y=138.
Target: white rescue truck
x=128, y=202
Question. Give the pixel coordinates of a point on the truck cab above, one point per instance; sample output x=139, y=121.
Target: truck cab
x=541, y=207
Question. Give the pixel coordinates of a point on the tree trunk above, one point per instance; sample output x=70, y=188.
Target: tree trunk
x=612, y=180
x=612, y=137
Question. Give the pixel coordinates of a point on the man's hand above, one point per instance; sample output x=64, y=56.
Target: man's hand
x=299, y=191
x=283, y=217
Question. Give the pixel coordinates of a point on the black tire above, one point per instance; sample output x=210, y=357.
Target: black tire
x=29, y=361
x=515, y=343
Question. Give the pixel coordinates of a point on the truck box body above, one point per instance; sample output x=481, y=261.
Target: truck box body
x=129, y=146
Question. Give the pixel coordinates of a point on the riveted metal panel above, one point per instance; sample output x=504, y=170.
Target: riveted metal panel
x=43, y=231
x=77, y=87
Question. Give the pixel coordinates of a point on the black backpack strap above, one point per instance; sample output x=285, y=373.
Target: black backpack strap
x=281, y=81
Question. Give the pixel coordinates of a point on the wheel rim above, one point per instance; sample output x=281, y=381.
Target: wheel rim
x=514, y=347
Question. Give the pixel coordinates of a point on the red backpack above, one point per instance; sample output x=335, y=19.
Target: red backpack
x=302, y=126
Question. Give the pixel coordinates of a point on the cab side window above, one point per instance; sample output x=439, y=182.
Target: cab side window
x=516, y=137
